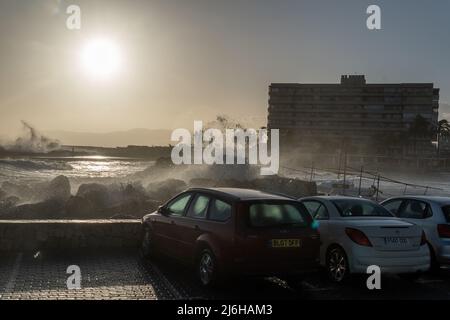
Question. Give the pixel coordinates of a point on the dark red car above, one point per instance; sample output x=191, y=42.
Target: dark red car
x=228, y=231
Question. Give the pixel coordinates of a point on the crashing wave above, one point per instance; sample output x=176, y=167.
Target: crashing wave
x=32, y=141
x=35, y=164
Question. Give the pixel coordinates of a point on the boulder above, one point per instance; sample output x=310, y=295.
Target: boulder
x=49, y=209
x=58, y=189
x=166, y=189
x=8, y=202
x=291, y=187
x=202, y=183
x=79, y=208
x=96, y=193
x=22, y=191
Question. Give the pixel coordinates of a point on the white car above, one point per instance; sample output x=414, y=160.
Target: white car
x=433, y=215
x=357, y=233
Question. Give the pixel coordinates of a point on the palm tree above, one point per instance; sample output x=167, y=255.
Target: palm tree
x=443, y=131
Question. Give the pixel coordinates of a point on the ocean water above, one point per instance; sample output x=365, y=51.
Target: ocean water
x=75, y=168
x=392, y=183
x=107, y=169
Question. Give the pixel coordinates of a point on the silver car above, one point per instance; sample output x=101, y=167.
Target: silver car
x=358, y=233
x=433, y=215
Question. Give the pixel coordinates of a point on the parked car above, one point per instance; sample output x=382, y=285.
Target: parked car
x=357, y=233
x=433, y=215
x=224, y=231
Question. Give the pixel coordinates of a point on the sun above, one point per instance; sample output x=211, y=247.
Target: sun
x=100, y=58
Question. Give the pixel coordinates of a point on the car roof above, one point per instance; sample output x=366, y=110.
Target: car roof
x=335, y=198
x=435, y=199
x=243, y=194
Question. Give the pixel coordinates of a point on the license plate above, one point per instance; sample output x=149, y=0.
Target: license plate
x=285, y=243
x=397, y=241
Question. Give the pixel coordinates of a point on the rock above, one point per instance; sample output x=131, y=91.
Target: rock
x=3, y=194
x=58, y=189
x=291, y=187
x=202, y=183
x=96, y=193
x=23, y=191
x=165, y=190
x=151, y=205
x=49, y=209
x=79, y=208
x=164, y=162
x=8, y=202
x=134, y=191
x=132, y=207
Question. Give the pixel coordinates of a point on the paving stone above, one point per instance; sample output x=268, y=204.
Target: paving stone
x=118, y=275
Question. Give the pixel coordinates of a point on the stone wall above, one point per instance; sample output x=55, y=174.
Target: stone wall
x=28, y=235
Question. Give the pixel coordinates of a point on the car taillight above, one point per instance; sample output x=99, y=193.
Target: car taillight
x=443, y=230
x=423, y=240
x=358, y=237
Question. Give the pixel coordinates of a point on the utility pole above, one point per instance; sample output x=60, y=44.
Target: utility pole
x=378, y=186
x=360, y=180
x=312, y=172
x=339, y=169
x=345, y=171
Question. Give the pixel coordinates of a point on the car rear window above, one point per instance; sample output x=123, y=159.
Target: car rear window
x=360, y=208
x=285, y=214
x=446, y=211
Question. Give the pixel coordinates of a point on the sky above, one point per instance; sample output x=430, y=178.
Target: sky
x=189, y=60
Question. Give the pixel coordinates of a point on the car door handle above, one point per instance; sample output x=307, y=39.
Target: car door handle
x=172, y=222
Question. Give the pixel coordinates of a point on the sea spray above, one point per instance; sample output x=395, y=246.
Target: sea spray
x=32, y=141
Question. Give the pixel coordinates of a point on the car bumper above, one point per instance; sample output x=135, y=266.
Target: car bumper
x=390, y=261
x=443, y=255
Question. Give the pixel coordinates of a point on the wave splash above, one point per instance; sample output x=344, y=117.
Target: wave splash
x=35, y=164
x=32, y=141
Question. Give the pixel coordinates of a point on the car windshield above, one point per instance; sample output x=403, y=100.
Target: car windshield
x=273, y=214
x=360, y=208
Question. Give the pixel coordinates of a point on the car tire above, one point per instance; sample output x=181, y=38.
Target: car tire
x=207, y=268
x=434, y=264
x=146, y=247
x=337, y=266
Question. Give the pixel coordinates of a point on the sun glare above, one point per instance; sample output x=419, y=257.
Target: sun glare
x=100, y=58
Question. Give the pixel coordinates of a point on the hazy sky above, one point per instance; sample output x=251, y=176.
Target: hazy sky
x=190, y=60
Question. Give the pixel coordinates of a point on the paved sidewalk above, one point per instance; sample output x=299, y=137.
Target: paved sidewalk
x=124, y=275
x=106, y=276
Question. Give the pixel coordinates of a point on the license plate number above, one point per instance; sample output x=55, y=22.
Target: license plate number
x=397, y=241
x=285, y=243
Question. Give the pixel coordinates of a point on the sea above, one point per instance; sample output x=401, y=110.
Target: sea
x=85, y=169
x=82, y=168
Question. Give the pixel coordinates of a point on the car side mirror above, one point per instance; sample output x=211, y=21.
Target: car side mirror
x=163, y=210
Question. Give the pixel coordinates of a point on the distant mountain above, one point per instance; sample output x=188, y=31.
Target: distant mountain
x=140, y=137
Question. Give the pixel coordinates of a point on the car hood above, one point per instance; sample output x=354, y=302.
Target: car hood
x=148, y=216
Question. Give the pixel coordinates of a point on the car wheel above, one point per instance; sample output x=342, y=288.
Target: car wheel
x=337, y=265
x=207, y=268
x=146, y=248
x=434, y=264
